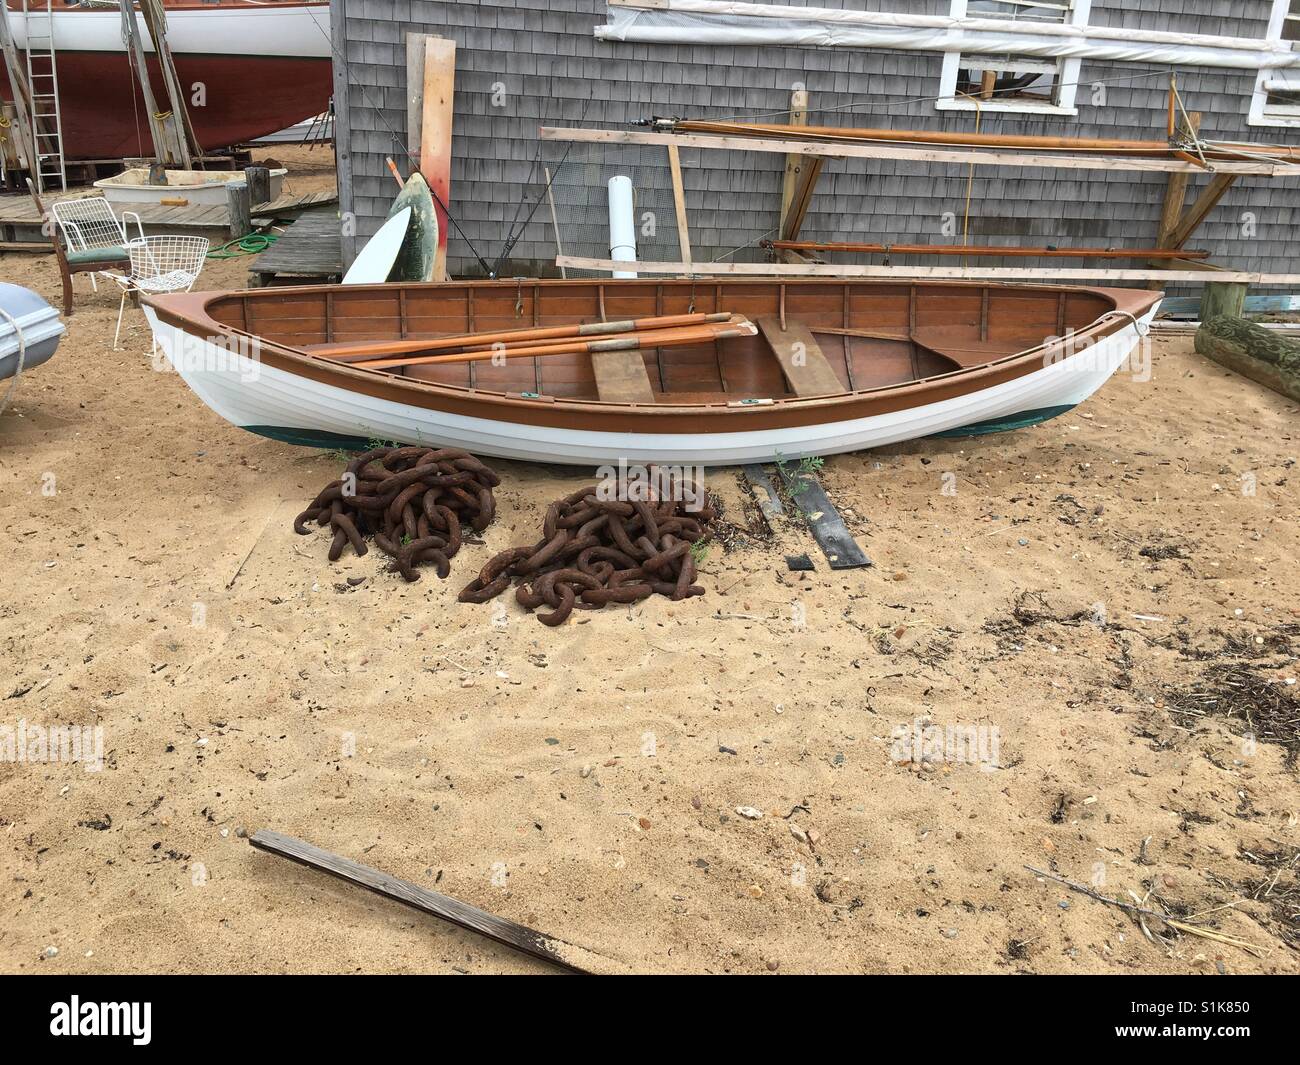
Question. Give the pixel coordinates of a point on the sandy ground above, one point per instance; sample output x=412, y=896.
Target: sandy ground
x=585, y=780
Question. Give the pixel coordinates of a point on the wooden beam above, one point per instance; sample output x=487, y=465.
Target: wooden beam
x=169, y=142
x=435, y=135
x=155, y=20
x=947, y=273
x=18, y=90
x=555, y=219
x=793, y=161
x=802, y=197
x=414, y=94
x=1204, y=204
x=985, y=157
x=1176, y=186
x=679, y=202
x=987, y=250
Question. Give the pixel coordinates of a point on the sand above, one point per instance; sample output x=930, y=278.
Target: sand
x=585, y=780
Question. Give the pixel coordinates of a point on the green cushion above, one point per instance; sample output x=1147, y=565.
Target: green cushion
x=98, y=255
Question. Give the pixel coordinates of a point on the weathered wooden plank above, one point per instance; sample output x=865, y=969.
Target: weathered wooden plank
x=947, y=273
x=621, y=377
x=981, y=157
x=311, y=246
x=765, y=493
x=800, y=356
x=679, y=203
x=517, y=936
x=828, y=528
x=1202, y=206
x=435, y=135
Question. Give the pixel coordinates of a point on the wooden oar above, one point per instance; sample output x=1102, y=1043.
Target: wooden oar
x=547, y=346
x=655, y=338
x=375, y=349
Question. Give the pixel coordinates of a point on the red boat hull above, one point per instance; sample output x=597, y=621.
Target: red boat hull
x=244, y=97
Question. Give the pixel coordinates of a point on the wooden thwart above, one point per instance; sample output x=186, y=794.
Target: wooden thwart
x=621, y=377
x=801, y=357
x=461, y=914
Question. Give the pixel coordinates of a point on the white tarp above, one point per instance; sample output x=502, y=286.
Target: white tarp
x=724, y=23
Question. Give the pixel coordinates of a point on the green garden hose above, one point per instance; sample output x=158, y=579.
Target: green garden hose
x=249, y=245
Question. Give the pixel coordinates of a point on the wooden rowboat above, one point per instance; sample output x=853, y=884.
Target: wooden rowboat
x=670, y=371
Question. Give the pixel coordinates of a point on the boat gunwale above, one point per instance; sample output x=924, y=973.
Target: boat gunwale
x=190, y=312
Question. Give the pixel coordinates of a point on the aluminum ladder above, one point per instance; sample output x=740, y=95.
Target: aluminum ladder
x=43, y=82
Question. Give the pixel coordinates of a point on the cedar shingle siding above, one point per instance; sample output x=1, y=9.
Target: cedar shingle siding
x=553, y=71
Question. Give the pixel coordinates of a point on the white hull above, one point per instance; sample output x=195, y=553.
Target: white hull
x=249, y=394
x=198, y=188
x=284, y=30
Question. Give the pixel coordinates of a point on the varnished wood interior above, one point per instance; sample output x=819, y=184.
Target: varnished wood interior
x=921, y=330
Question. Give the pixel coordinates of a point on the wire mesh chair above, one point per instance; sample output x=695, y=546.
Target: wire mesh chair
x=160, y=264
x=96, y=238
x=92, y=232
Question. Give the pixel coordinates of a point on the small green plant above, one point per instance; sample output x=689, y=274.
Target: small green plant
x=791, y=480
x=699, y=550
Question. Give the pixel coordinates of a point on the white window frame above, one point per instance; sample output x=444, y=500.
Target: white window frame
x=1270, y=79
x=1065, y=70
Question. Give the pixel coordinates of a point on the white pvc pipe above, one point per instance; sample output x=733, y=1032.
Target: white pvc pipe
x=622, y=225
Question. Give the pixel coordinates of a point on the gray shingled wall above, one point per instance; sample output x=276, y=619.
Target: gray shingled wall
x=554, y=72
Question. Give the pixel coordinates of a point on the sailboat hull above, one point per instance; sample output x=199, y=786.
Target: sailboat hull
x=248, y=70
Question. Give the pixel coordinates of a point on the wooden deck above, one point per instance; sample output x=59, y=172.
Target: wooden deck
x=19, y=221
x=311, y=248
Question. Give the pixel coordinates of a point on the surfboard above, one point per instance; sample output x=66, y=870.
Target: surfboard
x=375, y=261
x=419, y=248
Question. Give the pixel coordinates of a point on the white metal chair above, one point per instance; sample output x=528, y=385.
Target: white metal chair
x=96, y=239
x=160, y=264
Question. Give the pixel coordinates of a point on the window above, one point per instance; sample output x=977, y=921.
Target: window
x=1276, y=101
x=1009, y=82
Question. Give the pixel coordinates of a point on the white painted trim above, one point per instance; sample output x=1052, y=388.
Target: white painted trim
x=1260, y=114
x=1064, y=87
x=737, y=22
x=283, y=30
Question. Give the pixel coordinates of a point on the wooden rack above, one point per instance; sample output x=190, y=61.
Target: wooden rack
x=805, y=158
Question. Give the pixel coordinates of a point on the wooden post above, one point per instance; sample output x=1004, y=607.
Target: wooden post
x=1202, y=206
x=679, y=202
x=258, y=179
x=435, y=135
x=168, y=145
x=415, y=44
x=555, y=219
x=178, y=119
x=241, y=222
x=18, y=89
x=1220, y=298
x=794, y=164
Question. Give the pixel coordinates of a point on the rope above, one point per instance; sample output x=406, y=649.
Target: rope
x=252, y=244
x=22, y=357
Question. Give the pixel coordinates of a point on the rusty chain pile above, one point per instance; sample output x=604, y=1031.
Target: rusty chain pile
x=593, y=552
x=412, y=499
